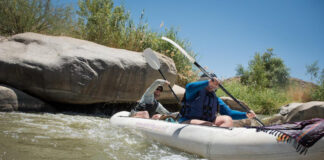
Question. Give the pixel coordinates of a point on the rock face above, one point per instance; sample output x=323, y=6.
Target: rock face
x=68, y=70
x=309, y=110
x=284, y=110
x=297, y=112
x=232, y=104
x=14, y=100
x=168, y=97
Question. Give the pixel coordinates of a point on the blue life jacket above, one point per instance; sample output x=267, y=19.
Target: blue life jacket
x=204, y=106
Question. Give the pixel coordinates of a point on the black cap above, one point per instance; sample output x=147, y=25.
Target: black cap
x=160, y=88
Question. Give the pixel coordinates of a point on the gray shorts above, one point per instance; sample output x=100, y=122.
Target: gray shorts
x=132, y=113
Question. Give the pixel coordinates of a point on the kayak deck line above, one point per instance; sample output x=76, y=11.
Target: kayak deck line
x=216, y=142
x=228, y=128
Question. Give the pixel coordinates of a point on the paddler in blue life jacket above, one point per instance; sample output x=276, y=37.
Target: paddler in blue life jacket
x=200, y=105
x=148, y=105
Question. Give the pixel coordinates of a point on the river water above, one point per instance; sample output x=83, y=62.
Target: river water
x=29, y=136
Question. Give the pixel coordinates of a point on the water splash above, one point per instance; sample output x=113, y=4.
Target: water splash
x=63, y=136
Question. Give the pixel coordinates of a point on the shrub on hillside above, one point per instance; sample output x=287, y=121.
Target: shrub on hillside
x=313, y=70
x=102, y=22
x=260, y=100
x=264, y=71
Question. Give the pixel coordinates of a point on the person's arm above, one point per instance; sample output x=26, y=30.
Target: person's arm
x=194, y=87
x=160, y=109
x=225, y=110
x=148, y=96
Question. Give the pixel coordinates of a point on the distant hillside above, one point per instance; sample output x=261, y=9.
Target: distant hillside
x=292, y=81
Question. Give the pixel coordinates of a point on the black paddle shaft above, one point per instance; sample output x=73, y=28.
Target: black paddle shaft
x=229, y=94
x=169, y=86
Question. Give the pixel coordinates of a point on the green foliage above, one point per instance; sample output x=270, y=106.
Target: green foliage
x=261, y=100
x=318, y=93
x=264, y=71
x=313, y=70
x=102, y=22
x=186, y=73
x=18, y=16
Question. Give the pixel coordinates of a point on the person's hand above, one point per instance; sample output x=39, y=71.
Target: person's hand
x=214, y=82
x=167, y=82
x=250, y=115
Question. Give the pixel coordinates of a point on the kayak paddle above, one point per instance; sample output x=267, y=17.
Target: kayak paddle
x=154, y=62
x=192, y=60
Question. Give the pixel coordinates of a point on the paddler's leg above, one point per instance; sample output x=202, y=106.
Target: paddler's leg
x=198, y=122
x=223, y=121
x=142, y=114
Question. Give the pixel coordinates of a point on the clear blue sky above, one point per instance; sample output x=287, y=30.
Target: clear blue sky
x=225, y=33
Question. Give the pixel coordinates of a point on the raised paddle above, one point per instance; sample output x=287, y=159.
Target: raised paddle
x=192, y=60
x=154, y=62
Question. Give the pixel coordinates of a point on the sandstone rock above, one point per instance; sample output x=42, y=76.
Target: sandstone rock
x=68, y=70
x=12, y=99
x=309, y=110
x=243, y=122
x=2, y=38
x=274, y=119
x=168, y=97
x=284, y=110
x=8, y=99
x=232, y=104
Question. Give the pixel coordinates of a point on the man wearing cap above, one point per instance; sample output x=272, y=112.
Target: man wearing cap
x=148, y=105
x=200, y=105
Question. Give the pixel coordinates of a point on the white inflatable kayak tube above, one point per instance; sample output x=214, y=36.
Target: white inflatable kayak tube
x=217, y=143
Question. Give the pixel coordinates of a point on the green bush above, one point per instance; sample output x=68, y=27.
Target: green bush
x=260, y=100
x=264, y=71
x=318, y=93
x=102, y=22
x=19, y=16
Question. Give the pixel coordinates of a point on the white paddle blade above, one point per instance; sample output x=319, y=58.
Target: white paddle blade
x=152, y=59
x=181, y=49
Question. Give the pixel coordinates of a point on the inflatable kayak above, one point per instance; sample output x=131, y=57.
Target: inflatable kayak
x=216, y=142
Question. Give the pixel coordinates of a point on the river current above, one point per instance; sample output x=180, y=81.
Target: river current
x=29, y=136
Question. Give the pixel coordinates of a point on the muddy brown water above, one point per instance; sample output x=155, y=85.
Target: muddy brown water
x=30, y=136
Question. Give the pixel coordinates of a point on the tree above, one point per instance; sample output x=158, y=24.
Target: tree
x=264, y=71
x=313, y=70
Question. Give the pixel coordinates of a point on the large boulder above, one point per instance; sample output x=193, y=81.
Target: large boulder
x=233, y=105
x=169, y=98
x=309, y=110
x=12, y=99
x=2, y=38
x=284, y=110
x=69, y=70
x=297, y=112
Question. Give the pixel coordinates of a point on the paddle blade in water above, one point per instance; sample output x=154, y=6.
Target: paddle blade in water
x=151, y=58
